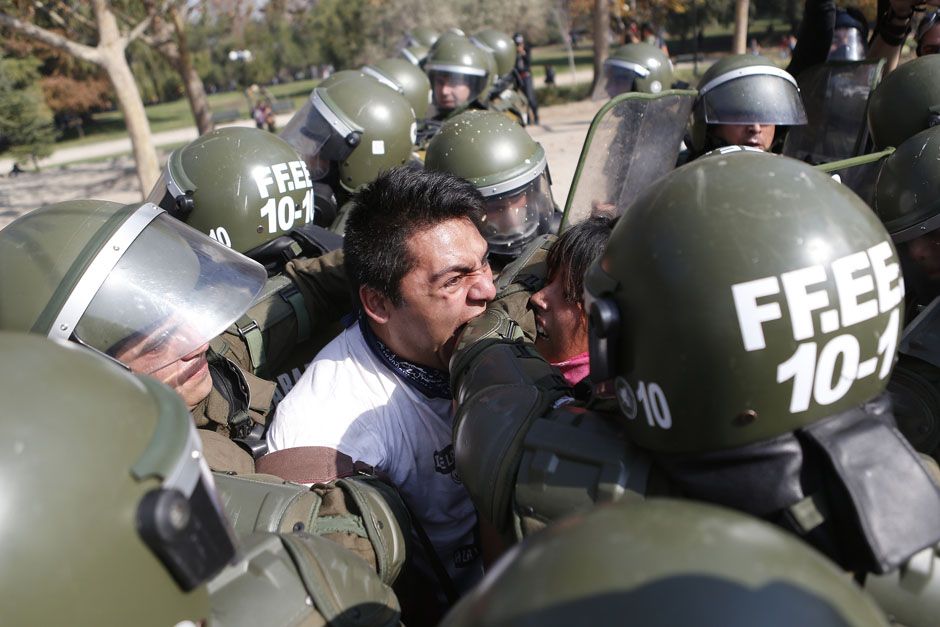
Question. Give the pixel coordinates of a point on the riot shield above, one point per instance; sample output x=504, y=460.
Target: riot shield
x=835, y=96
x=633, y=140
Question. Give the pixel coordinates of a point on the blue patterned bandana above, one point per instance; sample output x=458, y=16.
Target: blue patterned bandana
x=429, y=381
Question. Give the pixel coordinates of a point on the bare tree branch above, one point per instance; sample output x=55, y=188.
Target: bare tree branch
x=58, y=19
x=80, y=51
x=138, y=30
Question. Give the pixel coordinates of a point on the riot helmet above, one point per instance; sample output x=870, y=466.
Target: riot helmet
x=664, y=562
x=357, y=126
x=743, y=90
x=905, y=102
x=850, y=37
x=634, y=67
x=243, y=187
x=508, y=167
x=907, y=199
x=128, y=281
x=459, y=74
x=109, y=501
x=928, y=34
x=406, y=79
x=421, y=36
x=797, y=293
x=502, y=47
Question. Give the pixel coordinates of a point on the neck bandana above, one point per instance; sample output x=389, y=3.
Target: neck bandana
x=429, y=381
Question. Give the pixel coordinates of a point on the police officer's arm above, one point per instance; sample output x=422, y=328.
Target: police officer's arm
x=891, y=29
x=520, y=279
x=814, y=36
x=323, y=284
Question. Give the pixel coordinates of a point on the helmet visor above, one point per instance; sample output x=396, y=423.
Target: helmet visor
x=169, y=293
x=515, y=218
x=847, y=45
x=451, y=88
x=319, y=136
x=753, y=99
x=618, y=78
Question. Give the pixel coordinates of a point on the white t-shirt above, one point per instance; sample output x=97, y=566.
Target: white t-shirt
x=349, y=400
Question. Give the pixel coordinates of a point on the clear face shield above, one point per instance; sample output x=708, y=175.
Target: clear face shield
x=182, y=521
x=847, y=45
x=515, y=217
x=157, y=291
x=454, y=87
x=752, y=94
x=320, y=136
x=619, y=77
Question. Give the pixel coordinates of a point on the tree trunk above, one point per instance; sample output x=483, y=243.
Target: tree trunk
x=601, y=44
x=564, y=26
x=114, y=60
x=740, y=26
x=195, y=90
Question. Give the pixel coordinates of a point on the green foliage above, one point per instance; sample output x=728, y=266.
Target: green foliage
x=26, y=130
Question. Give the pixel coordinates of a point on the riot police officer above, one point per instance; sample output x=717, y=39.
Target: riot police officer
x=663, y=563
x=114, y=509
x=460, y=76
x=634, y=67
x=741, y=100
x=767, y=399
x=511, y=171
x=149, y=292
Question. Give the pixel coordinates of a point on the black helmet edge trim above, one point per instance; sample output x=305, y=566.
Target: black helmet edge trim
x=916, y=230
x=749, y=70
x=98, y=270
x=640, y=70
x=518, y=181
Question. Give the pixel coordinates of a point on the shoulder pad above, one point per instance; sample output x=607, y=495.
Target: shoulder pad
x=528, y=271
x=911, y=593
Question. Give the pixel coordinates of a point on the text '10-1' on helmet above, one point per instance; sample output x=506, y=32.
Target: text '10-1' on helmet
x=459, y=73
x=905, y=102
x=502, y=47
x=124, y=280
x=745, y=89
x=634, y=67
x=405, y=78
x=661, y=563
x=907, y=199
x=508, y=167
x=243, y=187
x=740, y=297
x=109, y=501
x=357, y=125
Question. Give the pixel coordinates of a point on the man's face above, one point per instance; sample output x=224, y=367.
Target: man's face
x=450, y=284
x=755, y=135
x=187, y=375
x=562, y=326
x=450, y=90
x=930, y=43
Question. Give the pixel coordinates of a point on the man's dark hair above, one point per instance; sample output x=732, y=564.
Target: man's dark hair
x=569, y=257
x=388, y=211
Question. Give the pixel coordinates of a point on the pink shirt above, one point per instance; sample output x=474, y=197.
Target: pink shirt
x=576, y=368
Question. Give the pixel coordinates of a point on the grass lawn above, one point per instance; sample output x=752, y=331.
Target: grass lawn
x=170, y=115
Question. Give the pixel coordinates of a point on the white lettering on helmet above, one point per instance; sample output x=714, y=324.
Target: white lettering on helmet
x=262, y=176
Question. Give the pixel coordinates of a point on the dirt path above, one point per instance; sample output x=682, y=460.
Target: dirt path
x=562, y=134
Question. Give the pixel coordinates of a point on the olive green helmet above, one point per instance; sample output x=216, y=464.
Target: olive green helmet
x=634, y=67
x=905, y=102
x=663, y=563
x=406, y=79
x=745, y=89
x=740, y=297
x=240, y=186
x=422, y=36
x=110, y=514
x=508, y=167
x=459, y=73
x=907, y=199
x=414, y=55
x=357, y=124
x=113, y=277
x=502, y=47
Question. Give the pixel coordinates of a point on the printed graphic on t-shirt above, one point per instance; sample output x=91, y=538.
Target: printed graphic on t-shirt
x=466, y=555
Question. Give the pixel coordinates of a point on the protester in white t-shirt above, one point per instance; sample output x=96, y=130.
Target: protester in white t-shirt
x=380, y=391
